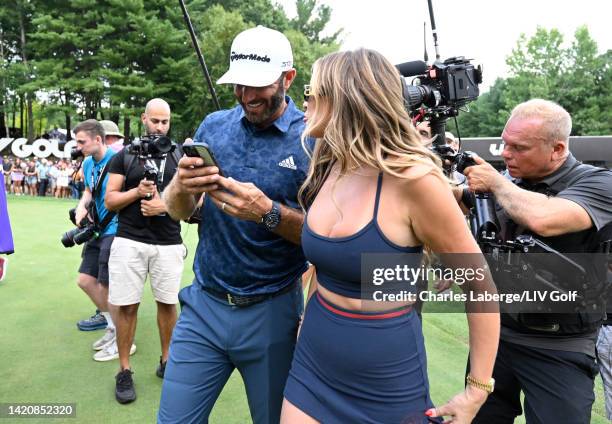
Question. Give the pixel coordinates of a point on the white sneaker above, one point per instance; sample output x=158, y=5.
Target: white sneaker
x=105, y=340
x=111, y=352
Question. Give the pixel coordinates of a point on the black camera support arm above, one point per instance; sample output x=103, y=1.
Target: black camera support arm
x=196, y=47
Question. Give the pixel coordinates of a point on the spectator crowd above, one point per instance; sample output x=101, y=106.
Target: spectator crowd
x=60, y=178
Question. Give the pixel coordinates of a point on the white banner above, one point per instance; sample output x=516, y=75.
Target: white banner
x=41, y=148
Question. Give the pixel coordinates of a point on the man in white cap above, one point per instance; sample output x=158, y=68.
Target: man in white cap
x=243, y=309
x=114, y=139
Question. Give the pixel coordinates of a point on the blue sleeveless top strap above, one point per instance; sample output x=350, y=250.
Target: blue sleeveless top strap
x=338, y=259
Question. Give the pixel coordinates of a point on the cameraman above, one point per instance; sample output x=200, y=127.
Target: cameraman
x=148, y=242
x=545, y=192
x=93, y=272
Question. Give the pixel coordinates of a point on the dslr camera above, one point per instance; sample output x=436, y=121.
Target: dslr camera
x=76, y=153
x=151, y=146
x=85, y=231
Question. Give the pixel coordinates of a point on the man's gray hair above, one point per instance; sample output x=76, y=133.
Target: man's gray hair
x=556, y=121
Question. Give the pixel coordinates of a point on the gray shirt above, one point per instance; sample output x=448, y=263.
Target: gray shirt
x=591, y=188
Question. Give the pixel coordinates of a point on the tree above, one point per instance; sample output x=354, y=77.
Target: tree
x=576, y=77
x=106, y=58
x=488, y=115
x=305, y=52
x=16, y=24
x=311, y=20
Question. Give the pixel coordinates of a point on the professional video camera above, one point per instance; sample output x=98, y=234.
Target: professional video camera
x=151, y=146
x=438, y=92
x=442, y=88
x=85, y=231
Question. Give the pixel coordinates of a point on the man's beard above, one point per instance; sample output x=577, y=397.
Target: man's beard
x=273, y=104
x=153, y=131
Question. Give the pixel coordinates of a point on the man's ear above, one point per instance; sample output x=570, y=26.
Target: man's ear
x=559, y=149
x=289, y=77
x=143, y=117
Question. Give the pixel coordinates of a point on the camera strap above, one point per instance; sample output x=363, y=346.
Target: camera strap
x=96, y=184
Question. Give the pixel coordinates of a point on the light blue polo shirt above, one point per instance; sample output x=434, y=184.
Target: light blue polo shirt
x=91, y=172
x=239, y=256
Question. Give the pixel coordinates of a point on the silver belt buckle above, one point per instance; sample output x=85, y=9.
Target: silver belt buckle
x=229, y=300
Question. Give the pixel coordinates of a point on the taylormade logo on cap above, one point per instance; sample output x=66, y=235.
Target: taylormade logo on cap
x=252, y=56
x=258, y=57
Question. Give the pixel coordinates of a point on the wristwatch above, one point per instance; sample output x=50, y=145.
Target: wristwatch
x=486, y=386
x=271, y=219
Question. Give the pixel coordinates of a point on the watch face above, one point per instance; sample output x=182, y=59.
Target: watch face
x=272, y=218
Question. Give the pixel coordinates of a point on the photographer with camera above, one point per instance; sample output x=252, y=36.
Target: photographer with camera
x=148, y=240
x=96, y=227
x=547, y=193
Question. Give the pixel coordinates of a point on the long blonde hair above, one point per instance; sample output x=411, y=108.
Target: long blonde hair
x=368, y=123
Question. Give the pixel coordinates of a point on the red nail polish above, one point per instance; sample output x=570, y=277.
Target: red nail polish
x=429, y=412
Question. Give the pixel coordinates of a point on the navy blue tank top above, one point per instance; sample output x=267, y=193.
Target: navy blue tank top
x=338, y=259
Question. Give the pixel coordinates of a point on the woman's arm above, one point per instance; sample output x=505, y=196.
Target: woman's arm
x=438, y=222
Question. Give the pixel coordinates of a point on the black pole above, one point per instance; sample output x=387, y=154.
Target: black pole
x=425, y=56
x=434, y=31
x=194, y=40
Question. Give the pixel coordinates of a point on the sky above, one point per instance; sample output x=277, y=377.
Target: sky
x=485, y=31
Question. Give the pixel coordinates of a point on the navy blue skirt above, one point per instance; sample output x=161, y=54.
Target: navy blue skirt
x=360, y=368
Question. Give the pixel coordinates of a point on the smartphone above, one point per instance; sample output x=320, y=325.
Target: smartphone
x=202, y=150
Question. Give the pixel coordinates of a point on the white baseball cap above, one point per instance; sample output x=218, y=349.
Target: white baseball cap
x=258, y=57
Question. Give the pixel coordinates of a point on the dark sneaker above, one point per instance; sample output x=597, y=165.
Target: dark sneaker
x=95, y=322
x=161, y=369
x=124, y=387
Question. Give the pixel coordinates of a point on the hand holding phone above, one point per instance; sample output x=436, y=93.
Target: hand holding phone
x=203, y=151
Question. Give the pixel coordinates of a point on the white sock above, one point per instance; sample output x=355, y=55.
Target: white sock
x=109, y=320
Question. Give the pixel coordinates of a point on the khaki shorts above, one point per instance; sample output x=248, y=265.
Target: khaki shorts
x=130, y=262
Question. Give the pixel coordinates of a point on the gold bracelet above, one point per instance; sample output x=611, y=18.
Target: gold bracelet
x=487, y=387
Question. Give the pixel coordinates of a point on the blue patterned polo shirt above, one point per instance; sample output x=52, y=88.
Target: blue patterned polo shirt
x=238, y=256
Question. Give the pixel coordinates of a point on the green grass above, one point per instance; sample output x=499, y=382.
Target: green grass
x=44, y=358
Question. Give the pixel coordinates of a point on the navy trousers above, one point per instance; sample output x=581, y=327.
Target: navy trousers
x=212, y=338
x=558, y=386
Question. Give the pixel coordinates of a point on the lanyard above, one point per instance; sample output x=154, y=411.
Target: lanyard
x=95, y=180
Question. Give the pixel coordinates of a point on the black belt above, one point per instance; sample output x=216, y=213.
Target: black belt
x=244, y=301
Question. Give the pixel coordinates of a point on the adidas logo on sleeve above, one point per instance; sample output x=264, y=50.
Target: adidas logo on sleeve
x=288, y=163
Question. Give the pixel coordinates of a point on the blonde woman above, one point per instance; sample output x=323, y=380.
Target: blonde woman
x=373, y=188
